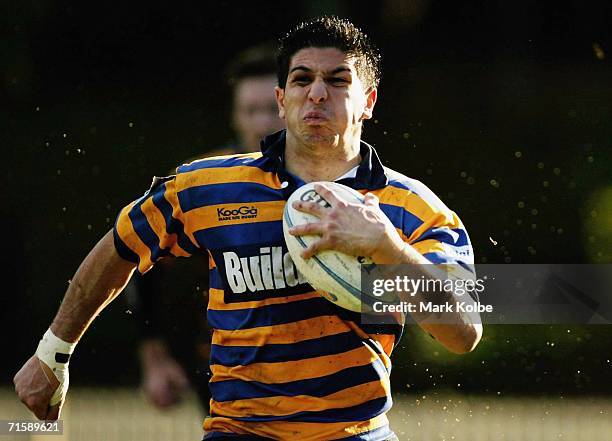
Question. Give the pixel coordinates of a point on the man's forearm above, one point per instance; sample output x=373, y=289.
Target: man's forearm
x=99, y=279
x=458, y=331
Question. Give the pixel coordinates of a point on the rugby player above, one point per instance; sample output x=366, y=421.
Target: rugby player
x=286, y=363
x=166, y=373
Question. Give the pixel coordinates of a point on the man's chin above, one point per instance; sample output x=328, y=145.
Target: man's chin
x=322, y=140
x=319, y=136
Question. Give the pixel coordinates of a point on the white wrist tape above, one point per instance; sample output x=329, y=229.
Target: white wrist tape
x=55, y=353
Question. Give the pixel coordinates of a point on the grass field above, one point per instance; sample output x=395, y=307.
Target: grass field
x=122, y=414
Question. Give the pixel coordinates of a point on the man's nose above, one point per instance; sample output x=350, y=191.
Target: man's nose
x=318, y=91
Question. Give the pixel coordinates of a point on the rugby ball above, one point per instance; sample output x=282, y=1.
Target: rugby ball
x=335, y=275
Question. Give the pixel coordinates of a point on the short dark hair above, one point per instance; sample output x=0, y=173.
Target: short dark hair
x=330, y=31
x=256, y=61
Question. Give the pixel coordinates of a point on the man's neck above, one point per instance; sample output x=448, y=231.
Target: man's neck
x=319, y=162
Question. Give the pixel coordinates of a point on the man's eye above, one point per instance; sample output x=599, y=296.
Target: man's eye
x=301, y=80
x=338, y=81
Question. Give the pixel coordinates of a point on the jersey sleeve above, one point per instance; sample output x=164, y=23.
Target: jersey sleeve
x=443, y=239
x=440, y=235
x=152, y=227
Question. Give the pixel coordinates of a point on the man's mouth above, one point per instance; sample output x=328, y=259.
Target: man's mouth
x=315, y=117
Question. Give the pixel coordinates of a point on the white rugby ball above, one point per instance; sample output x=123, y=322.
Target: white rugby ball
x=335, y=275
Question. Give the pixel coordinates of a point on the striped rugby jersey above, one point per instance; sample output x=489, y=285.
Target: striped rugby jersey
x=286, y=363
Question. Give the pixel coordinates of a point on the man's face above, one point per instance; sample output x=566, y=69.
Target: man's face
x=324, y=102
x=255, y=113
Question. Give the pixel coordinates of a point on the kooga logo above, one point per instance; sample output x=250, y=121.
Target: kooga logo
x=244, y=212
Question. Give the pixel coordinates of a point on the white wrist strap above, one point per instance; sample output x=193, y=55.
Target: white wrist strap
x=55, y=353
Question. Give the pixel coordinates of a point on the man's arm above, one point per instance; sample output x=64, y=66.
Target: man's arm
x=458, y=331
x=364, y=230
x=99, y=279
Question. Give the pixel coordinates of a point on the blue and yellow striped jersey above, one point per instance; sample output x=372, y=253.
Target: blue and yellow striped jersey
x=286, y=363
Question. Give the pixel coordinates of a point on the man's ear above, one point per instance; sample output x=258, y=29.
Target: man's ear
x=280, y=101
x=368, y=110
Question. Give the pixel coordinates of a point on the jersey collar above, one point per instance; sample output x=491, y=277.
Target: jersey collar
x=370, y=174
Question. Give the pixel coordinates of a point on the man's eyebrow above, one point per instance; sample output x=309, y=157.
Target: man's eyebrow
x=333, y=72
x=304, y=68
x=340, y=69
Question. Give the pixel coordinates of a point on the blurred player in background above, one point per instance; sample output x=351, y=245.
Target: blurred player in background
x=175, y=341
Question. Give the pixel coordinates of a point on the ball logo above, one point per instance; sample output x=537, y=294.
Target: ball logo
x=313, y=196
x=243, y=212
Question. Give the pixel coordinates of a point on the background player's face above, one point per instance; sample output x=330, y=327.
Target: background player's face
x=324, y=101
x=255, y=114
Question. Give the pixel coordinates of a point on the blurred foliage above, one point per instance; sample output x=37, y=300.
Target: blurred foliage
x=597, y=213
x=510, y=359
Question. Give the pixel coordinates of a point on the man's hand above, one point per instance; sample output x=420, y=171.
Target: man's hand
x=164, y=382
x=364, y=230
x=99, y=279
x=35, y=383
x=352, y=228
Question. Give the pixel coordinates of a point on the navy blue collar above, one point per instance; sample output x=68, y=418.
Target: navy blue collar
x=370, y=173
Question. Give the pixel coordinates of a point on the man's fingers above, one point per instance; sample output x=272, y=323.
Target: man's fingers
x=371, y=200
x=53, y=412
x=35, y=386
x=316, y=247
x=327, y=194
x=304, y=229
x=38, y=410
x=310, y=208
x=37, y=407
